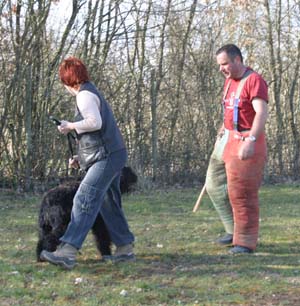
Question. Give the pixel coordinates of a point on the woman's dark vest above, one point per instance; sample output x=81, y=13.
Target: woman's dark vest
x=96, y=145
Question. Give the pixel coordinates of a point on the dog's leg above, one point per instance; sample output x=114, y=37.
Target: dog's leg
x=101, y=236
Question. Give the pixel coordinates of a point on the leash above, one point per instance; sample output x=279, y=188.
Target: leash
x=70, y=136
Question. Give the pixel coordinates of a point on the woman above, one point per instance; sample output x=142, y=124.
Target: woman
x=102, y=153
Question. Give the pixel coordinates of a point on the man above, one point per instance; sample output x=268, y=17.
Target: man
x=236, y=165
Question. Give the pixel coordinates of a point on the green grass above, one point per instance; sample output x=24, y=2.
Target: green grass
x=178, y=262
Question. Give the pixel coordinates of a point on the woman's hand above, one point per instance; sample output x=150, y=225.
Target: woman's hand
x=65, y=127
x=73, y=162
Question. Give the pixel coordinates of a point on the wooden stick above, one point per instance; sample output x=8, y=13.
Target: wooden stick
x=199, y=198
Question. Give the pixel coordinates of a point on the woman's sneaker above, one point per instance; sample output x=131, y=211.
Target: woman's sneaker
x=64, y=256
x=124, y=253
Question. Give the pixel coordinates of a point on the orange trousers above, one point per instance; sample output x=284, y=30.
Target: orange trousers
x=243, y=180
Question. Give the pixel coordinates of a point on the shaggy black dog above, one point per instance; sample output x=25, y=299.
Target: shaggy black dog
x=55, y=214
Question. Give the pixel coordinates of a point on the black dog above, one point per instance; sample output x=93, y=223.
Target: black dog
x=55, y=214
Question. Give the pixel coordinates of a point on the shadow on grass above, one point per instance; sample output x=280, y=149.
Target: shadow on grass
x=282, y=259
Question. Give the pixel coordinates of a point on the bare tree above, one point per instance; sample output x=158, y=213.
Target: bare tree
x=155, y=63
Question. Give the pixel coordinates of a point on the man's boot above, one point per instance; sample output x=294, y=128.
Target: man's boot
x=225, y=240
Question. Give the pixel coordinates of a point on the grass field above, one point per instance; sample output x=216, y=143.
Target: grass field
x=177, y=263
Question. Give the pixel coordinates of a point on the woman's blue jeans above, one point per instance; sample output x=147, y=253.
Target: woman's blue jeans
x=99, y=192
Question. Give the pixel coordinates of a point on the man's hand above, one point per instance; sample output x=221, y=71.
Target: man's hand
x=246, y=149
x=220, y=134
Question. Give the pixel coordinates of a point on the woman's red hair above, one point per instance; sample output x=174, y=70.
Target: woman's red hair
x=72, y=72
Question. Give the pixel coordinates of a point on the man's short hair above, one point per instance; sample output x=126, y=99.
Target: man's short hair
x=231, y=50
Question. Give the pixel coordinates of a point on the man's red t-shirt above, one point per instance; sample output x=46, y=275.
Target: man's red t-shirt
x=254, y=87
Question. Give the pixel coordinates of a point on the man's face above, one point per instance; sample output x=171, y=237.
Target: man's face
x=229, y=68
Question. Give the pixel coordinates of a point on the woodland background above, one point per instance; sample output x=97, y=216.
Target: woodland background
x=155, y=63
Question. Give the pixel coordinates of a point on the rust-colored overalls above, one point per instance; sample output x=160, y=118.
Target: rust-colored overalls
x=233, y=184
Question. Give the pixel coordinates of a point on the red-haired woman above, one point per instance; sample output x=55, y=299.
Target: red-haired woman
x=102, y=153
